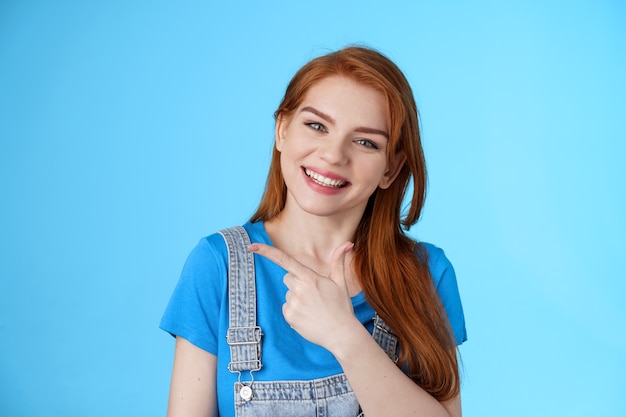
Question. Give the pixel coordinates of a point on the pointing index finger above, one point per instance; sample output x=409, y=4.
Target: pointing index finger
x=279, y=257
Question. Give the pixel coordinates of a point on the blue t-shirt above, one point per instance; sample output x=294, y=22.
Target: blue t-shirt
x=198, y=312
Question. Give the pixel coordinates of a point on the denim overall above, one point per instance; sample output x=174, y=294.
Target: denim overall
x=324, y=397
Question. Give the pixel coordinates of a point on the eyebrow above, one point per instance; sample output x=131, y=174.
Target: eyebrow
x=329, y=119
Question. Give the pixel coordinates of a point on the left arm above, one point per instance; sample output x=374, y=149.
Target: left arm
x=320, y=309
x=380, y=386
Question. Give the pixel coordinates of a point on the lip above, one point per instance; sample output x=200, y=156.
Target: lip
x=327, y=174
x=324, y=189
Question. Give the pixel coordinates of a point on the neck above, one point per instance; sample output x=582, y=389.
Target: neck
x=310, y=239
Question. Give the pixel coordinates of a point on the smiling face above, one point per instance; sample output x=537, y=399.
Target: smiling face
x=334, y=148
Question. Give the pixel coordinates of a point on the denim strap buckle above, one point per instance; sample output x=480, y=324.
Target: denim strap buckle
x=385, y=338
x=243, y=335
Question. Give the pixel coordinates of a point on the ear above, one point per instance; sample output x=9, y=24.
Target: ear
x=392, y=170
x=281, y=127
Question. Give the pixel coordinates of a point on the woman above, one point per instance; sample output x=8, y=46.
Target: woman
x=344, y=313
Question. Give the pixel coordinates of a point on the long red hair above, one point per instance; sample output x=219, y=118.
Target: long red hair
x=399, y=287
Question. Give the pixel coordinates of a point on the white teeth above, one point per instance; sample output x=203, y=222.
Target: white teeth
x=322, y=180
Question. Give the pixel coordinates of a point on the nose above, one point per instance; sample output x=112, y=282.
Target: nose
x=332, y=150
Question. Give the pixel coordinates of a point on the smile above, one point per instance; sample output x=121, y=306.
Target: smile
x=325, y=181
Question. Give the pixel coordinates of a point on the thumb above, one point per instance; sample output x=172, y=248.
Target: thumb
x=338, y=266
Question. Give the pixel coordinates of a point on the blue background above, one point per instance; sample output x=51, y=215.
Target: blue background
x=130, y=129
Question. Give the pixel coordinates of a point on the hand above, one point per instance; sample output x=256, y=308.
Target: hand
x=319, y=308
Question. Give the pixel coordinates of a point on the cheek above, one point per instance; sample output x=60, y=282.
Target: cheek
x=296, y=148
x=288, y=165
x=377, y=170
x=378, y=176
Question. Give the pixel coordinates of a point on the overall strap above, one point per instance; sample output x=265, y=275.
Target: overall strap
x=243, y=336
x=385, y=338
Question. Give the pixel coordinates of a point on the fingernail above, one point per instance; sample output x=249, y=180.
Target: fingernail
x=349, y=247
x=253, y=248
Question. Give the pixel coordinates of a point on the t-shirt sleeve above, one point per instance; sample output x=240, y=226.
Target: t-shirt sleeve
x=194, y=308
x=444, y=279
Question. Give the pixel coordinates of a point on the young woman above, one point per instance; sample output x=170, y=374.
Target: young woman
x=329, y=308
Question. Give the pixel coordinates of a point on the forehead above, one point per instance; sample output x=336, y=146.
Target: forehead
x=344, y=98
x=341, y=83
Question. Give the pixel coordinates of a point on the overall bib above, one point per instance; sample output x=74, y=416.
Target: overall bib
x=324, y=397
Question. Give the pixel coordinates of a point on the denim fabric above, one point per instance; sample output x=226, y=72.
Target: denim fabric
x=244, y=336
x=326, y=397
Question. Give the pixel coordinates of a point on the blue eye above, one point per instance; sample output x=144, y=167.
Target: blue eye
x=316, y=126
x=367, y=143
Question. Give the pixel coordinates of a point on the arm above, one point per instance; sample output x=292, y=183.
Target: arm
x=319, y=308
x=193, y=386
x=381, y=387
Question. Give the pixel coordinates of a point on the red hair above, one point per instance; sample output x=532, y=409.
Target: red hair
x=399, y=287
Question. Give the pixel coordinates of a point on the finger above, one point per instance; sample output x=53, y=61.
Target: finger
x=289, y=280
x=338, y=261
x=285, y=310
x=280, y=258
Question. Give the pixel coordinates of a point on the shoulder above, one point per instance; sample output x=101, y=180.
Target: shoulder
x=211, y=252
x=438, y=263
x=197, y=299
x=445, y=282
